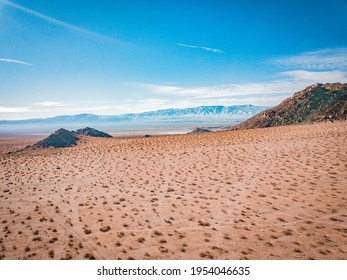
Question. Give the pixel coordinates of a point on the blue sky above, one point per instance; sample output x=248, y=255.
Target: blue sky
x=114, y=57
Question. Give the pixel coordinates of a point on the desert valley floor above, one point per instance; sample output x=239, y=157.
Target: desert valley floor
x=275, y=193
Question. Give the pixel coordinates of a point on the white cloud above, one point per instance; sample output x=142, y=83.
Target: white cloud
x=50, y=104
x=61, y=23
x=14, y=109
x=317, y=77
x=146, y=105
x=152, y=104
x=270, y=93
x=199, y=47
x=325, y=59
x=230, y=90
x=69, y=104
x=14, y=61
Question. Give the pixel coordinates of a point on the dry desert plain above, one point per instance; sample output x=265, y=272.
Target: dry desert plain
x=274, y=193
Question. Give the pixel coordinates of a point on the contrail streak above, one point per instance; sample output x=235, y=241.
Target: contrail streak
x=62, y=23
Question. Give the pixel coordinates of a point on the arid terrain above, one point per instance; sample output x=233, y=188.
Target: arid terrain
x=273, y=193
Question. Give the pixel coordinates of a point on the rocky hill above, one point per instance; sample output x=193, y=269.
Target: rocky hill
x=200, y=130
x=59, y=139
x=64, y=138
x=316, y=103
x=88, y=131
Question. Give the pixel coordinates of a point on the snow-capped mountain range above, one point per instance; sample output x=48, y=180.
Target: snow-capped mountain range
x=238, y=111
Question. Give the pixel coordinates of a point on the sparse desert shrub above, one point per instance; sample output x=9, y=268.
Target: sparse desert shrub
x=227, y=237
x=206, y=254
x=141, y=240
x=67, y=257
x=163, y=250
x=89, y=256
x=157, y=233
x=297, y=250
x=54, y=239
x=204, y=224
x=105, y=229
x=51, y=254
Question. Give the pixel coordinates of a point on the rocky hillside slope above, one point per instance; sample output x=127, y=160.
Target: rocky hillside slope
x=316, y=103
x=59, y=139
x=64, y=138
x=88, y=131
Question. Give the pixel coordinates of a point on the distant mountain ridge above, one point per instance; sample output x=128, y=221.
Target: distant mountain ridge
x=316, y=103
x=241, y=111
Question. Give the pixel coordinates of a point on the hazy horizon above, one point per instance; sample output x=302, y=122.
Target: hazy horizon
x=112, y=58
x=130, y=113
x=168, y=121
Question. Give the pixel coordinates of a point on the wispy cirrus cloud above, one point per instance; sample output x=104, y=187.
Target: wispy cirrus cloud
x=61, y=23
x=14, y=61
x=199, y=47
x=325, y=59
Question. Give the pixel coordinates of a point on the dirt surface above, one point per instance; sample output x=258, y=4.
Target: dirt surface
x=274, y=193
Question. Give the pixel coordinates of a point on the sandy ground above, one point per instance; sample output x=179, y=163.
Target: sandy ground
x=15, y=143
x=277, y=193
